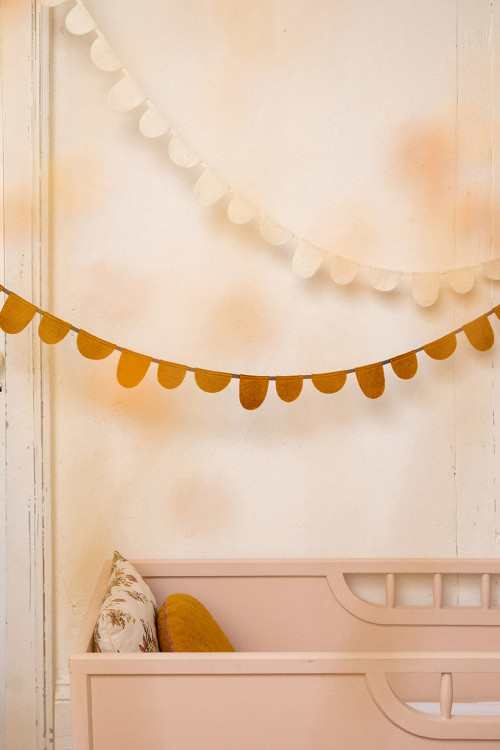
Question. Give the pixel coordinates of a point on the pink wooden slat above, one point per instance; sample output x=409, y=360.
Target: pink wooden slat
x=486, y=590
x=438, y=590
x=446, y=695
x=390, y=590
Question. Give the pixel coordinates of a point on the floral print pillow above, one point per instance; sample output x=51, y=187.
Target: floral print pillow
x=127, y=618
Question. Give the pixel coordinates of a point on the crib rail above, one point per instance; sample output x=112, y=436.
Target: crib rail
x=390, y=590
x=317, y=566
x=390, y=612
x=446, y=725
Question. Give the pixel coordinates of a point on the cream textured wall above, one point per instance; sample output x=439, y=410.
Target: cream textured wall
x=359, y=125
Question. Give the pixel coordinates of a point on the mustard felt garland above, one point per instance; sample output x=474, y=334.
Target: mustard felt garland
x=17, y=313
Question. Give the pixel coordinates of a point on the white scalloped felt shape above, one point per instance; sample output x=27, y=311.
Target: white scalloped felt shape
x=272, y=232
x=342, y=271
x=383, y=280
x=307, y=259
x=125, y=95
x=461, y=280
x=182, y=154
x=79, y=21
x=152, y=124
x=425, y=288
x=240, y=211
x=209, y=188
x=491, y=269
x=103, y=55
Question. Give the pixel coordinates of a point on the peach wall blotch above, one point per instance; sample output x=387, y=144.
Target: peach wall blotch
x=78, y=184
x=446, y=169
x=244, y=318
x=199, y=505
x=425, y=161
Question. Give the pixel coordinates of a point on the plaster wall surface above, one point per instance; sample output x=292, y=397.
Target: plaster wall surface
x=369, y=129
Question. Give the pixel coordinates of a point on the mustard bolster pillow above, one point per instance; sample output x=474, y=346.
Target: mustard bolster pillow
x=184, y=624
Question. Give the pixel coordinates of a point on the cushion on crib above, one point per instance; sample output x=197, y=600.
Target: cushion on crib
x=127, y=618
x=184, y=624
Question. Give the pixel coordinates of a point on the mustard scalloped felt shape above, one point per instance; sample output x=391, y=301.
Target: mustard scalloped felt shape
x=92, y=347
x=170, y=374
x=405, y=366
x=211, y=381
x=371, y=379
x=253, y=390
x=289, y=387
x=52, y=330
x=132, y=367
x=329, y=382
x=480, y=333
x=16, y=314
x=441, y=348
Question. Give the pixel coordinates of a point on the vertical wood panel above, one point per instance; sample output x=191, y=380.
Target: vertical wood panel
x=25, y=541
x=495, y=197
x=474, y=425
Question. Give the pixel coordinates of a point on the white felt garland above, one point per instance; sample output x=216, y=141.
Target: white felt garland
x=126, y=95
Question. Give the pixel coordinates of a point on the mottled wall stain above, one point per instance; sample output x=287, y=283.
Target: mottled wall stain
x=446, y=171
x=123, y=296
x=254, y=37
x=495, y=201
x=199, y=505
x=18, y=217
x=425, y=160
x=14, y=8
x=78, y=184
x=347, y=228
x=473, y=211
x=154, y=411
x=243, y=318
x=249, y=28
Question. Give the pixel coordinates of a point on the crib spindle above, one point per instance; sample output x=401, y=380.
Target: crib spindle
x=446, y=695
x=390, y=590
x=485, y=591
x=438, y=590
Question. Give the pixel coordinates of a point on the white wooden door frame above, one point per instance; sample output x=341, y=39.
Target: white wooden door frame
x=25, y=535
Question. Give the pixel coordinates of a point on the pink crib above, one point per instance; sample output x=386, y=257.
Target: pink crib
x=316, y=667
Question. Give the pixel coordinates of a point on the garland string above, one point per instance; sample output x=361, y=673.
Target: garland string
x=17, y=313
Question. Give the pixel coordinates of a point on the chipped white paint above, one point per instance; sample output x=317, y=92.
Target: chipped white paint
x=25, y=551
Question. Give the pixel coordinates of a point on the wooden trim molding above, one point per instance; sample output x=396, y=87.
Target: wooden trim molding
x=25, y=539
